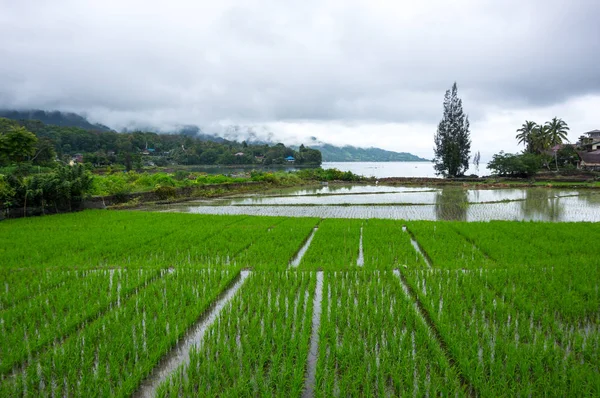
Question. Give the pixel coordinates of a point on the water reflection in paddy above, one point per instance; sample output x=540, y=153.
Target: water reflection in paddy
x=448, y=203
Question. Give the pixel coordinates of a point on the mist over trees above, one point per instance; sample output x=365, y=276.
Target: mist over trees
x=136, y=149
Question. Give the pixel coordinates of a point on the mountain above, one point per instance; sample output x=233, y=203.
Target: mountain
x=353, y=154
x=56, y=118
x=252, y=135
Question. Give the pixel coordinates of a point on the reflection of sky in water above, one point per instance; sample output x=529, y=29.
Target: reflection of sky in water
x=347, y=189
x=539, y=204
x=412, y=197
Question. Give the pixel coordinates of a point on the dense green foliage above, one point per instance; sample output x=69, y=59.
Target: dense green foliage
x=134, y=150
x=519, y=165
x=452, y=140
x=61, y=189
x=499, y=308
x=538, y=138
x=542, y=143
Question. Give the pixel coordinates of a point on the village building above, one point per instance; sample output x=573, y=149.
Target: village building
x=590, y=158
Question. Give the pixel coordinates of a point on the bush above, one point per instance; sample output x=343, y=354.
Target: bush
x=508, y=164
x=165, y=192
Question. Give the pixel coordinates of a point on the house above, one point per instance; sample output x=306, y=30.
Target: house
x=589, y=160
x=259, y=158
x=290, y=159
x=594, y=135
x=148, y=151
x=239, y=154
x=593, y=140
x=77, y=158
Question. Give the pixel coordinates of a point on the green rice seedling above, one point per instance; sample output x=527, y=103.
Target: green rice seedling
x=335, y=245
x=373, y=344
x=30, y=325
x=17, y=285
x=259, y=344
x=387, y=246
x=446, y=248
x=275, y=249
x=115, y=352
x=499, y=347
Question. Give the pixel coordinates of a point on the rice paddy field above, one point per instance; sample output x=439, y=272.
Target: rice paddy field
x=144, y=304
x=449, y=203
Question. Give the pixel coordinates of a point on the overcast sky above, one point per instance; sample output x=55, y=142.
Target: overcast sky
x=361, y=72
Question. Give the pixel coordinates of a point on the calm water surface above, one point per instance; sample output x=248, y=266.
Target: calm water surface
x=368, y=169
x=410, y=203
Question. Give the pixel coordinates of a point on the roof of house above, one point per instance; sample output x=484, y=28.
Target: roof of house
x=289, y=158
x=590, y=157
x=593, y=132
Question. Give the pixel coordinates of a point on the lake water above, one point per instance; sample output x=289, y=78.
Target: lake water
x=395, y=169
x=410, y=203
x=368, y=169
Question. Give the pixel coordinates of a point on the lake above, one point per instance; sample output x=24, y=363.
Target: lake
x=395, y=169
x=409, y=203
x=368, y=169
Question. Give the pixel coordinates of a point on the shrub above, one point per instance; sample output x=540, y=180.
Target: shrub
x=165, y=192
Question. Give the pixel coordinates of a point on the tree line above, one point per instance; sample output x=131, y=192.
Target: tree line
x=544, y=144
x=136, y=149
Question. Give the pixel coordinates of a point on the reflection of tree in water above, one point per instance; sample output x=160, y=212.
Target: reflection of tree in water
x=451, y=204
x=542, y=204
x=592, y=198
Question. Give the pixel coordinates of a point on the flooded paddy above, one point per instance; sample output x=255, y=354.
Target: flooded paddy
x=409, y=203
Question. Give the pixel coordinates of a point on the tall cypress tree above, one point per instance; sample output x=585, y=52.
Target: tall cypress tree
x=452, y=140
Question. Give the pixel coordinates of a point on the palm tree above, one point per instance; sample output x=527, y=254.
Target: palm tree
x=557, y=132
x=540, y=139
x=525, y=135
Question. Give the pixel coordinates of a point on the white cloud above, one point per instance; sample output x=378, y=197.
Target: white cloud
x=365, y=72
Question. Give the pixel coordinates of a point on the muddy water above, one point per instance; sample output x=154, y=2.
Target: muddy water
x=360, y=261
x=417, y=247
x=311, y=361
x=180, y=355
x=296, y=260
x=409, y=203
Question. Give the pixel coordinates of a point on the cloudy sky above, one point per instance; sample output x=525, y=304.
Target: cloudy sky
x=361, y=72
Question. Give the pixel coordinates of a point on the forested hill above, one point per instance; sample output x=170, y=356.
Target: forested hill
x=348, y=153
x=55, y=118
x=140, y=148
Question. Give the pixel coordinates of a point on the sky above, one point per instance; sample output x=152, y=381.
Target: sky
x=358, y=72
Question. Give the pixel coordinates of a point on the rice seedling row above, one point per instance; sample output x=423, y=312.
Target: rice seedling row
x=274, y=249
x=373, y=344
x=335, y=245
x=259, y=344
x=566, y=304
x=518, y=244
x=223, y=248
x=387, y=246
x=19, y=285
x=500, y=348
x=446, y=248
x=30, y=325
x=114, y=353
